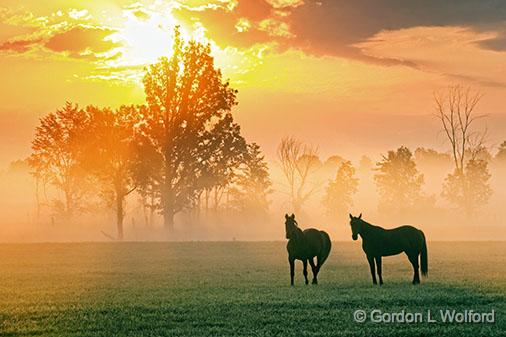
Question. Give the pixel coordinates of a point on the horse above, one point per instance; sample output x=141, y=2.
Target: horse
x=304, y=246
x=378, y=242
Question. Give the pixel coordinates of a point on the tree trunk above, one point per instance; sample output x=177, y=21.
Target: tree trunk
x=68, y=205
x=119, y=215
x=168, y=220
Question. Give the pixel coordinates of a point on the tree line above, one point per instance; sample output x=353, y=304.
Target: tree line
x=182, y=151
x=177, y=151
x=397, y=177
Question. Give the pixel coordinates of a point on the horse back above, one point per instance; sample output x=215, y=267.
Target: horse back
x=318, y=241
x=396, y=240
x=314, y=243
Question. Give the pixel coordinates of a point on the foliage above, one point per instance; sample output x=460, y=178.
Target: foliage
x=188, y=140
x=58, y=150
x=252, y=184
x=501, y=153
x=398, y=181
x=365, y=164
x=110, y=155
x=339, y=193
x=469, y=190
x=431, y=158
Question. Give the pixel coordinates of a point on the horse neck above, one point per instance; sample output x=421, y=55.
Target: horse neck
x=367, y=230
x=298, y=236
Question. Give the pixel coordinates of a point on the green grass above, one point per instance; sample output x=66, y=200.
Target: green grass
x=236, y=288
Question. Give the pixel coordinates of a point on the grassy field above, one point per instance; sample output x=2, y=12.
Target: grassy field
x=237, y=288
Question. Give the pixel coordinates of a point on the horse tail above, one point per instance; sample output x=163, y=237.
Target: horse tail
x=327, y=244
x=423, y=256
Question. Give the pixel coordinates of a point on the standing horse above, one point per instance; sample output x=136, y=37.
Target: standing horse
x=304, y=246
x=378, y=242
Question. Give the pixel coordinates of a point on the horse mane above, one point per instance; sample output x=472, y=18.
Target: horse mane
x=297, y=231
x=370, y=225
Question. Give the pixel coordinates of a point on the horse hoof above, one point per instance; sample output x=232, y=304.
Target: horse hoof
x=315, y=282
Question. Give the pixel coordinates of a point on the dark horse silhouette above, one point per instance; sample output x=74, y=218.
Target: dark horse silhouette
x=304, y=246
x=378, y=242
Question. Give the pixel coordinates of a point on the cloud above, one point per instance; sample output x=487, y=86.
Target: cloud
x=275, y=28
x=448, y=51
x=333, y=28
x=19, y=46
x=80, y=39
x=285, y=3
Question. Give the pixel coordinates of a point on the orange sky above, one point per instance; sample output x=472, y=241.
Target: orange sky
x=328, y=72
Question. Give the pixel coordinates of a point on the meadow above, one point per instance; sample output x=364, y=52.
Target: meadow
x=237, y=289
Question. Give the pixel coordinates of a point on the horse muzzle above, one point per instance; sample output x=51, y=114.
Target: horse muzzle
x=354, y=237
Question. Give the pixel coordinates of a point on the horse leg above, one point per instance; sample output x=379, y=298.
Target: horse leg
x=378, y=267
x=305, y=270
x=413, y=258
x=370, y=259
x=292, y=269
x=315, y=271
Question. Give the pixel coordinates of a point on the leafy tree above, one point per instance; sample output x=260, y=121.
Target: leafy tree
x=331, y=165
x=187, y=126
x=252, y=183
x=365, y=164
x=58, y=149
x=110, y=155
x=469, y=190
x=398, y=181
x=431, y=158
x=226, y=151
x=339, y=193
x=501, y=153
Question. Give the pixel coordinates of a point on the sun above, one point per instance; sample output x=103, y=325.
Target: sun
x=144, y=40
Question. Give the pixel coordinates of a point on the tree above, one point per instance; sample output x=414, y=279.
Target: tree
x=469, y=190
x=110, y=155
x=456, y=112
x=431, y=158
x=398, y=181
x=501, y=153
x=58, y=148
x=331, y=165
x=187, y=120
x=225, y=153
x=339, y=193
x=365, y=164
x=298, y=162
x=252, y=183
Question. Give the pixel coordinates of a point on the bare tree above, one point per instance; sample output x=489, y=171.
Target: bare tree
x=455, y=108
x=467, y=187
x=299, y=162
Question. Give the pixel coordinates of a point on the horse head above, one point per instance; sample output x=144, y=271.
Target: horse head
x=356, y=226
x=291, y=227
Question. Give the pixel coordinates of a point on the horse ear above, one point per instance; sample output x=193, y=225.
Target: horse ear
x=293, y=216
x=360, y=216
x=286, y=216
x=351, y=216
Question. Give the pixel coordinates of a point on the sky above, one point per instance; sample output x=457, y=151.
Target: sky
x=353, y=77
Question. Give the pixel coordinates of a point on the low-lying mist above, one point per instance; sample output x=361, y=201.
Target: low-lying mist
x=26, y=219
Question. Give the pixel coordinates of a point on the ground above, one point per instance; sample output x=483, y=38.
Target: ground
x=238, y=288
